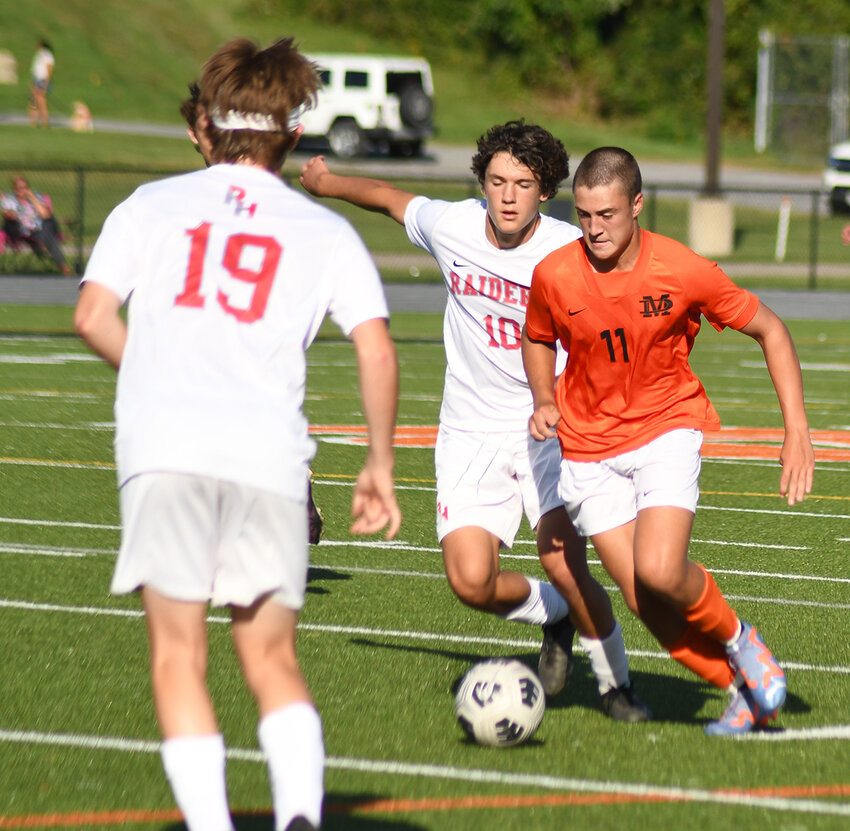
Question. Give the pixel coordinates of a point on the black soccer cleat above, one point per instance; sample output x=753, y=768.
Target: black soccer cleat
x=299, y=823
x=314, y=516
x=556, y=655
x=621, y=704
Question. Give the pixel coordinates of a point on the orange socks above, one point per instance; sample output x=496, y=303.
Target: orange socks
x=711, y=614
x=711, y=623
x=704, y=656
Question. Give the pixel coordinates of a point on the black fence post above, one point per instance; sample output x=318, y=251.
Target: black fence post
x=81, y=213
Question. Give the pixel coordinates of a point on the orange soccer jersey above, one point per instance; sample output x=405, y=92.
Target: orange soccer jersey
x=629, y=335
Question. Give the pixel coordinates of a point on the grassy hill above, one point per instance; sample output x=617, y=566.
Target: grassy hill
x=132, y=60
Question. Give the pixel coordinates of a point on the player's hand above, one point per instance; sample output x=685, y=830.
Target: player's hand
x=311, y=172
x=543, y=423
x=374, y=505
x=797, y=458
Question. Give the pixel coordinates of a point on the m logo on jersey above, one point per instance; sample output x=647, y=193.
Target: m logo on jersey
x=653, y=307
x=236, y=196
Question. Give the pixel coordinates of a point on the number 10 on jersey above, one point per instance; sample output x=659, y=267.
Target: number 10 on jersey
x=507, y=330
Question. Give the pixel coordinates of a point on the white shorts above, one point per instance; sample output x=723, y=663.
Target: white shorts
x=197, y=538
x=604, y=495
x=486, y=480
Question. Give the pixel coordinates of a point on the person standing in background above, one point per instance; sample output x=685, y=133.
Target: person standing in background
x=41, y=78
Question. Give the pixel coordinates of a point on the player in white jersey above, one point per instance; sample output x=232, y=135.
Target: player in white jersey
x=488, y=469
x=229, y=274
x=189, y=111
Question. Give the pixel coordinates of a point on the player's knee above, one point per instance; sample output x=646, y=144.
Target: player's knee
x=269, y=668
x=172, y=665
x=666, y=583
x=477, y=593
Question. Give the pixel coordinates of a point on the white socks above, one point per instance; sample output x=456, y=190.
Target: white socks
x=291, y=739
x=194, y=766
x=608, y=659
x=543, y=605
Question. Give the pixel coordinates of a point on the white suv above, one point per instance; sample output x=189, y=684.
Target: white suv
x=836, y=177
x=372, y=101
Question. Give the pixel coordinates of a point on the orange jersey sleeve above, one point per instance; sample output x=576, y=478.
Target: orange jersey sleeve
x=629, y=335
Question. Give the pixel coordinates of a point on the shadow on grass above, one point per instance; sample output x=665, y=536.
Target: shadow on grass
x=340, y=814
x=673, y=700
x=319, y=573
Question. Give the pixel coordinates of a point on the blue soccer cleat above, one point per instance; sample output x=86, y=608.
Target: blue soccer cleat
x=742, y=716
x=758, y=669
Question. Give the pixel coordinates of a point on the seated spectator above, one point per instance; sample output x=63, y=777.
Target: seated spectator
x=28, y=217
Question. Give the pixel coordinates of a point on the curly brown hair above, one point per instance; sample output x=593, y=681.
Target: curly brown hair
x=535, y=147
x=275, y=82
x=189, y=107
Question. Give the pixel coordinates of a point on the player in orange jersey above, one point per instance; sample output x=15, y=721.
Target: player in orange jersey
x=629, y=413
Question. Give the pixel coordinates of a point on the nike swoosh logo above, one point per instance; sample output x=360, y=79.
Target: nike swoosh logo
x=577, y=311
x=456, y=264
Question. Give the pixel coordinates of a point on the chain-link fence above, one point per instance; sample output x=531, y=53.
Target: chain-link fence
x=780, y=238
x=803, y=94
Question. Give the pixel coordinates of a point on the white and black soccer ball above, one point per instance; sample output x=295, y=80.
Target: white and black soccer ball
x=500, y=702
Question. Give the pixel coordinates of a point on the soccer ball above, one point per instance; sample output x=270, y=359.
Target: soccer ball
x=500, y=703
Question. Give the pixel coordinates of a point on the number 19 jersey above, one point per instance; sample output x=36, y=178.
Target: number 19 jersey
x=488, y=290
x=229, y=274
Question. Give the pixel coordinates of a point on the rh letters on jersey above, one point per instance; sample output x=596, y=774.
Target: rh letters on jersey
x=236, y=196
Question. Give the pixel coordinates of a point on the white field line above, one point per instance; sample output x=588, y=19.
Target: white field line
x=110, y=466
x=822, y=467
x=790, y=514
x=71, y=396
x=383, y=767
x=58, y=358
x=78, y=553
x=54, y=523
x=834, y=731
x=364, y=631
x=64, y=551
x=396, y=545
x=42, y=425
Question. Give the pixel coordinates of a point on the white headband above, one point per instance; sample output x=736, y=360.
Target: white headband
x=257, y=122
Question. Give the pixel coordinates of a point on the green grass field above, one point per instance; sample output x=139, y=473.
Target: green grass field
x=383, y=641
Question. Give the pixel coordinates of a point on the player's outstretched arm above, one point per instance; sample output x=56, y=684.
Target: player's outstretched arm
x=538, y=358
x=797, y=456
x=374, y=504
x=372, y=194
x=98, y=321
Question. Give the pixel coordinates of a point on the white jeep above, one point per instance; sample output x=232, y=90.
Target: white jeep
x=836, y=177
x=372, y=101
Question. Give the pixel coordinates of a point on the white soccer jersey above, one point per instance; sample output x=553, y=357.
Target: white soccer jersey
x=486, y=387
x=229, y=274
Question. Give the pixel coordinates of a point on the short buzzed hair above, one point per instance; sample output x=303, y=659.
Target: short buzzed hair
x=533, y=146
x=606, y=165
